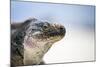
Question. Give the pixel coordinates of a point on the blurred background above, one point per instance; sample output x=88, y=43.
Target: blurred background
x=79, y=21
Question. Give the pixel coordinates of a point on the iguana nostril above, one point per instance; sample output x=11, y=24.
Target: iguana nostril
x=62, y=30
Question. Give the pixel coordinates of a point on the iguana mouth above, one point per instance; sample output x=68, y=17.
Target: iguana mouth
x=52, y=31
x=56, y=32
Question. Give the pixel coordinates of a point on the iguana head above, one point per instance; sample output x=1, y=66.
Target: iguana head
x=44, y=31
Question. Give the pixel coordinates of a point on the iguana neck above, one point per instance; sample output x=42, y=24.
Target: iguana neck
x=35, y=55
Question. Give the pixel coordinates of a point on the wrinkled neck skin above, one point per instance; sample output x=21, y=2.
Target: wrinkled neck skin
x=34, y=50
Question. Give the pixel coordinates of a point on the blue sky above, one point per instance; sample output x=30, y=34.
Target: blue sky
x=66, y=14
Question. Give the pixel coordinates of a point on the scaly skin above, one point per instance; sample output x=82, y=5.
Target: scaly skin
x=31, y=39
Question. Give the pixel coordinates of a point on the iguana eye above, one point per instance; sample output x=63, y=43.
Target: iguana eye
x=45, y=26
x=32, y=29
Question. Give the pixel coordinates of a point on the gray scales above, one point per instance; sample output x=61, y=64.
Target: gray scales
x=31, y=39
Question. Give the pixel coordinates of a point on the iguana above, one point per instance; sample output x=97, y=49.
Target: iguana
x=31, y=39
